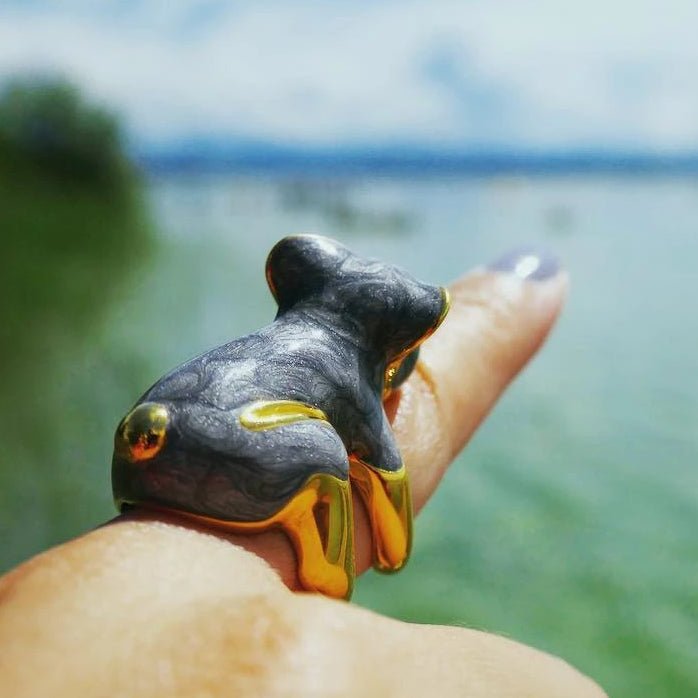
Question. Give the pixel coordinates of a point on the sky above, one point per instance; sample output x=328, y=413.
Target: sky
x=552, y=74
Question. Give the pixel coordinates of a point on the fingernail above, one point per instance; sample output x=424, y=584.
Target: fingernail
x=528, y=263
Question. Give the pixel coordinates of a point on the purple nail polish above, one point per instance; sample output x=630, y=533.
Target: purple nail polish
x=528, y=263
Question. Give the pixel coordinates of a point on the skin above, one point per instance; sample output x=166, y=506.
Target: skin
x=150, y=606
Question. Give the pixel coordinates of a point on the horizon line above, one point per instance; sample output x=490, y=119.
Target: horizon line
x=411, y=160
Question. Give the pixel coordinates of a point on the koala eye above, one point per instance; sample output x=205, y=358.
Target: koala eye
x=141, y=434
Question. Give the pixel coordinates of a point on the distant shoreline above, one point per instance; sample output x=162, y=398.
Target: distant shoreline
x=409, y=163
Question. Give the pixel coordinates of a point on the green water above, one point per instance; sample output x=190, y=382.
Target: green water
x=570, y=521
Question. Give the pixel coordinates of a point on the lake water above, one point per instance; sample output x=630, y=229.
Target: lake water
x=570, y=520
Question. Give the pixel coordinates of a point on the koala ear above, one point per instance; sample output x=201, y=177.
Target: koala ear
x=423, y=311
x=436, y=311
x=299, y=266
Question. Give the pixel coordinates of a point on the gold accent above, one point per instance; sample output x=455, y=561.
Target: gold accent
x=269, y=414
x=270, y=283
x=142, y=433
x=386, y=496
x=389, y=376
x=428, y=377
x=446, y=296
x=327, y=568
x=319, y=521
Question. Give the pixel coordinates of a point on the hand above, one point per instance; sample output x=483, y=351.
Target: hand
x=151, y=607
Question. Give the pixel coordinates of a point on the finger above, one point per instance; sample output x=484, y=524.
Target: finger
x=380, y=654
x=148, y=609
x=499, y=318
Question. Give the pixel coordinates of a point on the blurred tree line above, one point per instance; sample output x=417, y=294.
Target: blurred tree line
x=47, y=126
x=73, y=228
x=70, y=210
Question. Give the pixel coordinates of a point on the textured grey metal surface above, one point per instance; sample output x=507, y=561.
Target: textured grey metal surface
x=342, y=319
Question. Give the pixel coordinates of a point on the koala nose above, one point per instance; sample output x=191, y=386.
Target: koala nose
x=142, y=432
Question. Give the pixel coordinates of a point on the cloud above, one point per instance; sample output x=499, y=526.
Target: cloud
x=485, y=72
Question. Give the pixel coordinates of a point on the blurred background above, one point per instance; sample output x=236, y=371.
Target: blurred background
x=151, y=153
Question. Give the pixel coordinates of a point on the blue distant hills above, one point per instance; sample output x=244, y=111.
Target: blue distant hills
x=266, y=158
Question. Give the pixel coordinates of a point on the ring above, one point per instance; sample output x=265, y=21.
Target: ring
x=275, y=428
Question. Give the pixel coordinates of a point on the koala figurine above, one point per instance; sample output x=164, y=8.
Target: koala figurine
x=273, y=429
